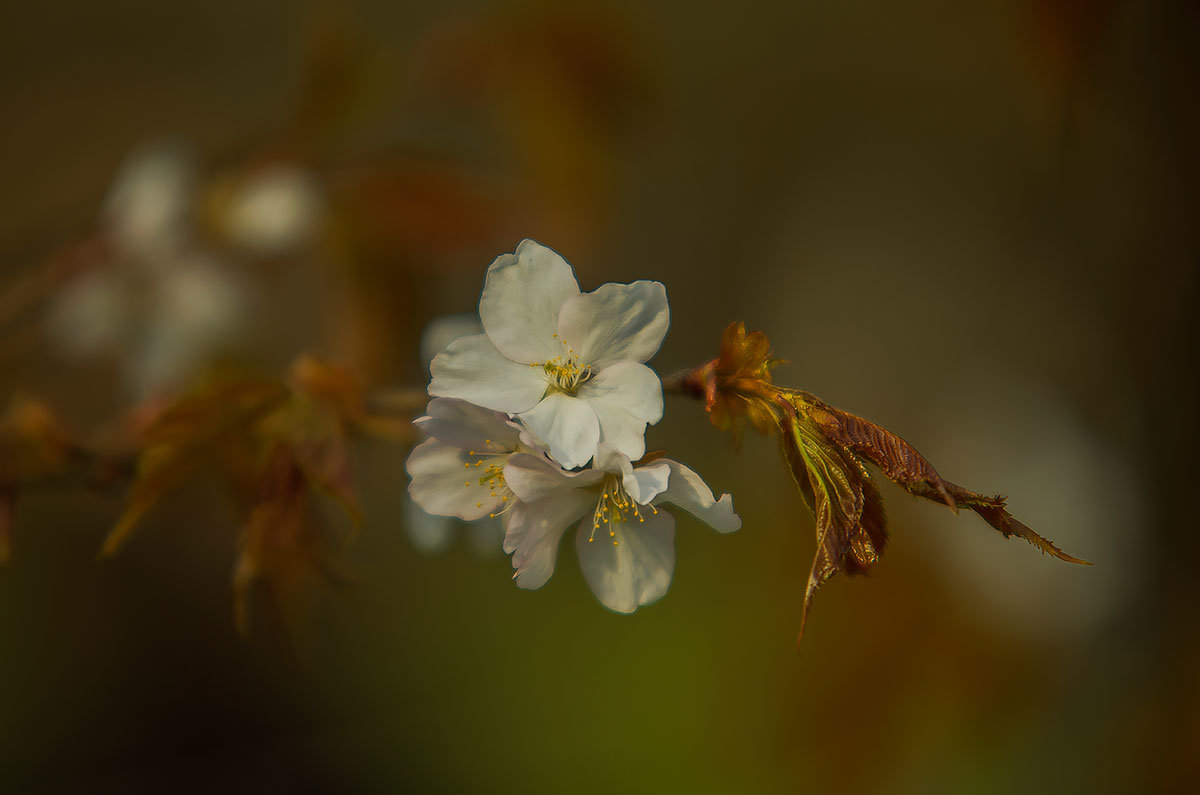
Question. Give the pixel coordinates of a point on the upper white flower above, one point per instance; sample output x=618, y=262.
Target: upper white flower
x=626, y=545
x=570, y=365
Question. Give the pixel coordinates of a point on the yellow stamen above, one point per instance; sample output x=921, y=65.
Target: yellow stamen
x=614, y=507
x=491, y=478
x=565, y=373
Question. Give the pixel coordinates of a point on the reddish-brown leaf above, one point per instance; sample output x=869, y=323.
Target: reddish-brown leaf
x=848, y=509
x=901, y=463
x=826, y=451
x=189, y=434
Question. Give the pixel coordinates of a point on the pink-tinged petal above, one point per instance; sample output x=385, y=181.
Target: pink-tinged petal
x=567, y=425
x=468, y=427
x=636, y=570
x=625, y=397
x=689, y=491
x=534, y=532
x=616, y=323
x=471, y=369
x=521, y=300
x=441, y=485
x=533, y=478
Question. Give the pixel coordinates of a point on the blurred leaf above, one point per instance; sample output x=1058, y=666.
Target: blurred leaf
x=34, y=446
x=277, y=443
x=314, y=426
x=189, y=434
x=278, y=547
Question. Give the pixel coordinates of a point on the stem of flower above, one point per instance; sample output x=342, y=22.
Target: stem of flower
x=679, y=383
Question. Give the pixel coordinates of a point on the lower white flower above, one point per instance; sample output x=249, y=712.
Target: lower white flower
x=626, y=545
x=459, y=470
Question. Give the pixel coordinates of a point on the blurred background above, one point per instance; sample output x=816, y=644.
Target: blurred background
x=972, y=223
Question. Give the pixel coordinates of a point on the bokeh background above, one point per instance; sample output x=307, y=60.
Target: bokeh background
x=974, y=223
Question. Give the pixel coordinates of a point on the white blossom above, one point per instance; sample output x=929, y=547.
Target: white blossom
x=569, y=365
x=625, y=544
x=431, y=533
x=459, y=470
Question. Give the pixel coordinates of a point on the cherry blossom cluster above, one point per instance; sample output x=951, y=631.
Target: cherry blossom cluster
x=541, y=421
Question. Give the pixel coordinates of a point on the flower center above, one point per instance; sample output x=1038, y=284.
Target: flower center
x=491, y=476
x=565, y=373
x=614, y=507
x=566, y=376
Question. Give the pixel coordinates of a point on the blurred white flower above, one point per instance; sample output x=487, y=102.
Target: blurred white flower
x=273, y=210
x=569, y=365
x=626, y=545
x=146, y=211
x=157, y=299
x=196, y=306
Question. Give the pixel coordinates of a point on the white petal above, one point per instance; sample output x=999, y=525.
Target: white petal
x=646, y=483
x=521, y=300
x=642, y=484
x=533, y=478
x=444, y=330
x=610, y=459
x=616, y=322
x=534, y=531
x=471, y=369
x=634, y=572
x=468, y=427
x=442, y=485
x=687, y=490
x=567, y=425
x=625, y=397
